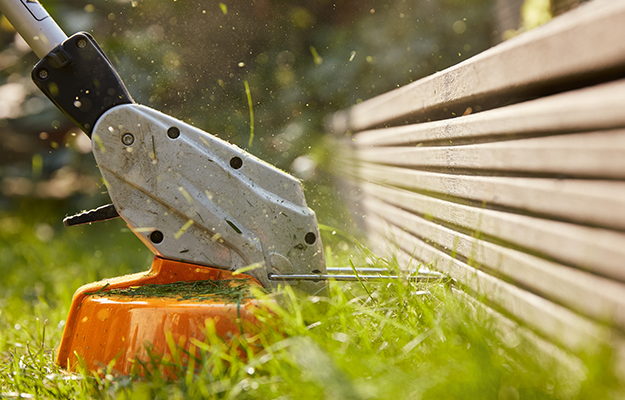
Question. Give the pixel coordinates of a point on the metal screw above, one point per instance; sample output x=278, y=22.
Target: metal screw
x=173, y=132
x=128, y=139
x=43, y=73
x=236, y=162
x=81, y=43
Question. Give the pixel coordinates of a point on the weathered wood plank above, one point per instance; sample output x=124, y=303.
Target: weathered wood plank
x=595, y=203
x=557, y=323
x=576, y=46
x=594, y=108
x=596, y=297
x=599, y=155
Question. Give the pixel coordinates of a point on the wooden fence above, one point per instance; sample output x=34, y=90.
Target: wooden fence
x=507, y=173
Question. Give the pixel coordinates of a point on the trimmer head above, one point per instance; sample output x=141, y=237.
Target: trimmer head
x=124, y=318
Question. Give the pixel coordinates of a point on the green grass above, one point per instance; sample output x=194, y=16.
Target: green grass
x=390, y=340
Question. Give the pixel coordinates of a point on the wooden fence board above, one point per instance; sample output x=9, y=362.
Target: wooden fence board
x=594, y=108
x=587, y=155
x=583, y=43
x=595, y=203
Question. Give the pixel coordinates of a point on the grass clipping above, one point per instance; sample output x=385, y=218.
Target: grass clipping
x=229, y=290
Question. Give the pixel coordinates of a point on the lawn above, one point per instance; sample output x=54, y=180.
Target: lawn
x=395, y=339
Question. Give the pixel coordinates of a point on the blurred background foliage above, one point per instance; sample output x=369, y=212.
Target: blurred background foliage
x=302, y=60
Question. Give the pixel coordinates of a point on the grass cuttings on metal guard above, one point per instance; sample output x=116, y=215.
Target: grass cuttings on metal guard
x=234, y=290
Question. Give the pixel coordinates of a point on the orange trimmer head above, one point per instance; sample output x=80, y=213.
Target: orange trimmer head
x=123, y=321
x=126, y=321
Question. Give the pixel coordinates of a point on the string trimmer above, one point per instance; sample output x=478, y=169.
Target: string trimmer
x=211, y=213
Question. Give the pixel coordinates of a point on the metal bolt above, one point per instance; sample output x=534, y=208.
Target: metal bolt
x=43, y=73
x=81, y=43
x=173, y=132
x=128, y=139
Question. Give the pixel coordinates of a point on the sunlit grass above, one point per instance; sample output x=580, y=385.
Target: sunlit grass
x=396, y=339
